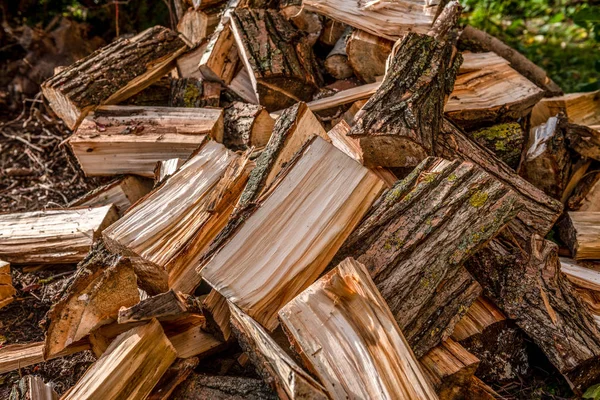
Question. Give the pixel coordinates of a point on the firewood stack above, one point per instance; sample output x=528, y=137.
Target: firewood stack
x=369, y=178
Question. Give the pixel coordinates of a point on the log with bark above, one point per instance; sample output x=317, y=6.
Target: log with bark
x=246, y=126
x=7, y=291
x=294, y=231
x=173, y=377
x=337, y=62
x=199, y=386
x=580, y=108
x=219, y=61
x=131, y=140
x=367, y=54
x=112, y=73
x=52, y=236
x=166, y=232
x=164, y=307
x=586, y=196
x=16, y=356
x=505, y=140
x=196, y=25
x=580, y=231
x=584, y=140
x=195, y=93
x=306, y=21
x=32, y=388
x=347, y=336
x=418, y=270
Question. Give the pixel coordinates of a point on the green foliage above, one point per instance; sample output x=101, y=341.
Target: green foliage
x=593, y=392
x=561, y=36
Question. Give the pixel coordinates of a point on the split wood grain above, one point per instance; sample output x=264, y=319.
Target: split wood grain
x=580, y=108
x=580, y=231
x=7, y=291
x=16, y=356
x=32, y=388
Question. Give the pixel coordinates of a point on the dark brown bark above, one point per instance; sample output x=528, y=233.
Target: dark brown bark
x=539, y=212
x=173, y=377
x=504, y=140
x=526, y=283
x=195, y=93
x=113, y=73
x=584, y=140
x=278, y=55
x=418, y=270
x=201, y=387
x=586, y=196
x=157, y=94
x=246, y=125
x=164, y=306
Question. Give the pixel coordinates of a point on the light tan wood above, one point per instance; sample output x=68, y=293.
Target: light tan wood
x=166, y=168
x=164, y=307
x=586, y=194
x=194, y=342
x=344, y=97
x=477, y=61
x=195, y=25
x=216, y=312
x=283, y=374
x=32, y=388
x=580, y=276
x=241, y=85
x=246, y=126
x=482, y=314
x=173, y=377
x=367, y=54
x=52, y=236
x=289, y=240
x=168, y=230
x=580, y=231
x=187, y=63
x=129, y=369
x=349, y=339
x=122, y=192
x=580, y=108
x=15, y=356
x=220, y=59
x=131, y=140
x=7, y=291
x=102, y=284
x=385, y=18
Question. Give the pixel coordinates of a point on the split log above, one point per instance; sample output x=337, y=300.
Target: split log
x=580, y=108
x=199, y=387
x=278, y=57
x=246, y=126
x=331, y=33
x=474, y=37
x=195, y=25
x=241, y=86
x=349, y=115
x=498, y=343
x=166, y=168
x=220, y=58
x=584, y=140
x=7, y=291
x=195, y=93
x=419, y=271
x=388, y=19
x=155, y=95
x=450, y=368
x=218, y=316
x=586, y=281
x=504, y=140
x=368, y=54
x=539, y=212
x=417, y=83
x=52, y=236
x=167, y=231
x=103, y=283
x=16, y=356
x=347, y=336
x=122, y=193
x=164, y=306
x=112, y=73
x=131, y=366
x=586, y=196
x=32, y=388
x=173, y=377
x=194, y=342
x=277, y=368
x=336, y=62
x=578, y=172
x=547, y=162
x=526, y=283
x=130, y=140
x=580, y=231
x=344, y=97
x=307, y=200
x=477, y=61
x=188, y=63
x=478, y=390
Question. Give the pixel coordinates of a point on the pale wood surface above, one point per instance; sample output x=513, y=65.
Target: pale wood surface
x=481, y=314
x=348, y=337
x=7, y=291
x=166, y=168
x=15, y=356
x=579, y=275
x=580, y=231
x=580, y=108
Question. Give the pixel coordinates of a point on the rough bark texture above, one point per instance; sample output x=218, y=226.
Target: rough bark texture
x=586, y=196
x=504, y=140
x=201, y=387
x=419, y=270
x=539, y=212
x=173, y=377
x=32, y=388
x=112, y=73
x=580, y=231
x=400, y=122
x=282, y=66
x=246, y=125
x=584, y=140
x=192, y=92
x=527, y=284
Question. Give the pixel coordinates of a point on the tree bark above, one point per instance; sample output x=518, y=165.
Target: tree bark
x=580, y=231
x=201, y=387
x=247, y=125
x=586, y=196
x=194, y=93
x=504, y=140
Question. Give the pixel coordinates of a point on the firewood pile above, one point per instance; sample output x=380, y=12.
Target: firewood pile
x=358, y=194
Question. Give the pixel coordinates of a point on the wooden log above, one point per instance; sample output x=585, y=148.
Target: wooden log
x=579, y=275
x=130, y=140
x=450, y=368
x=195, y=93
x=16, y=356
x=526, y=284
x=164, y=306
x=347, y=336
x=331, y=33
x=308, y=22
x=155, y=95
x=246, y=126
x=220, y=58
x=478, y=390
x=547, y=163
x=349, y=115
x=166, y=168
x=194, y=342
x=196, y=25
x=198, y=387
x=474, y=37
x=344, y=97
x=218, y=317
x=168, y=230
x=112, y=73
x=539, y=212
x=103, y=283
x=131, y=366
x=173, y=377
x=188, y=63
x=417, y=83
x=276, y=367
x=336, y=62
x=7, y=291
x=367, y=55
x=498, y=343
x=580, y=231
x=419, y=271
x=278, y=57
x=477, y=61
x=586, y=196
x=580, y=108
x=241, y=86
x=387, y=19
x=306, y=216
x=584, y=140
x=505, y=140
x=32, y=388
x=122, y=193
x=52, y=236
